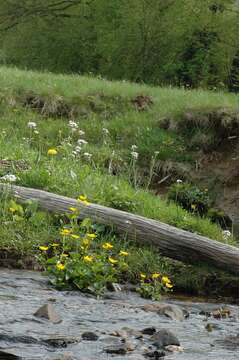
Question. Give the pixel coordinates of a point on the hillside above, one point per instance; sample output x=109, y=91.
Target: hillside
x=122, y=145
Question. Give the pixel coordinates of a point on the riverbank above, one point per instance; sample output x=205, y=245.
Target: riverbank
x=112, y=143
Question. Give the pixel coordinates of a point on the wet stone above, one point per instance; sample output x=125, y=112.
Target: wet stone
x=60, y=341
x=155, y=355
x=164, y=338
x=4, y=355
x=120, y=349
x=48, y=312
x=173, y=312
x=89, y=336
x=149, y=331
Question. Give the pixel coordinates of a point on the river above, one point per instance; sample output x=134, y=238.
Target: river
x=23, y=334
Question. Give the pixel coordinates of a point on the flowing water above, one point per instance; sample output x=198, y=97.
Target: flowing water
x=21, y=333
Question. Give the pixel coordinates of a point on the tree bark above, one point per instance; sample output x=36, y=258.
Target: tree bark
x=170, y=241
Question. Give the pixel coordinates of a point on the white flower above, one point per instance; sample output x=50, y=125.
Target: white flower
x=134, y=155
x=134, y=147
x=156, y=153
x=81, y=132
x=226, y=234
x=73, y=125
x=88, y=156
x=82, y=142
x=105, y=131
x=179, y=181
x=77, y=149
x=32, y=125
x=9, y=178
x=36, y=132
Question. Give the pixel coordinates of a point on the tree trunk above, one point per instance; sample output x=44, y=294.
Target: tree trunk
x=170, y=241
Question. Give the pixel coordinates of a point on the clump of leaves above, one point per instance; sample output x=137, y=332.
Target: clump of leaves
x=190, y=197
x=77, y=260
x=152, y=286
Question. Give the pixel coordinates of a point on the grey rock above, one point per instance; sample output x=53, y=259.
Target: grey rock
x=48, y=312
x=89, y=336
x=155, y=355
x=173, y=312
x=4, y=355
x=120, y=349
x=61, y=341
x=149, y=331
x=164, y=338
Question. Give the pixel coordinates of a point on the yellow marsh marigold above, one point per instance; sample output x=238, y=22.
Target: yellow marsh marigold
x=169, y=285
x=73, y=209
x=155, y=276
x=91, y=235
x=143, y=276
x=52, y=152
x=123, y=253
x=86, y=242
x=75, y=236
x=65, y=232
x=43, y=248
x=88, y=258
x=60, y=266
x=165, y=279
x=83, y=199
x=107, y=246
x=112, y=260
x=12, y=210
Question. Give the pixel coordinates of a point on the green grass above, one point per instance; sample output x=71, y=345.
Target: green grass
x=109, y=178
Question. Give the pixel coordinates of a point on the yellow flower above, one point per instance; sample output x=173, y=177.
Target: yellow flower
x=52, y=152
x=64, y=255
x=112, y=260
x=193, y=207
x=88, y=258
x=82, y=198
x=73, y=209
x=75, y=236
x=143, y=276
x=123, y=253
x=169, y=285
x=165, y=279
x=91, y=235
x=43, y=248
x=13, y=210
x=86, y=242
x=55, y=244
x=107, y=246
x=65, y=232
x=155, y=276
x=60, y=266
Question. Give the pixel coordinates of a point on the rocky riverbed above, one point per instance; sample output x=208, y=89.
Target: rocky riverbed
x=74, y=326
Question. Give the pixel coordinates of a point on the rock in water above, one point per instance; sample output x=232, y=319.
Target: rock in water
x=7, y=356
x=164, y=338
x=174, y=312
x=120, y=349
x=48, y=312
x=89, y=336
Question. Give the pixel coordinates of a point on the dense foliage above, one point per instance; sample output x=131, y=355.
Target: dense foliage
x=185, y=43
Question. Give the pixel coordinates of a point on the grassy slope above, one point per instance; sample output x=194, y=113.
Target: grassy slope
x=73, y=176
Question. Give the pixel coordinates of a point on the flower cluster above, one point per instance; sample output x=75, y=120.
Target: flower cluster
x=154, y=285
x=77, y=258
x=10, y=178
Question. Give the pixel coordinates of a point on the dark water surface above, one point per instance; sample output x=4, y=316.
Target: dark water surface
x=21, y=333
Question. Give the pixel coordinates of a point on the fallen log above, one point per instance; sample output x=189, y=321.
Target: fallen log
x=170, y=241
